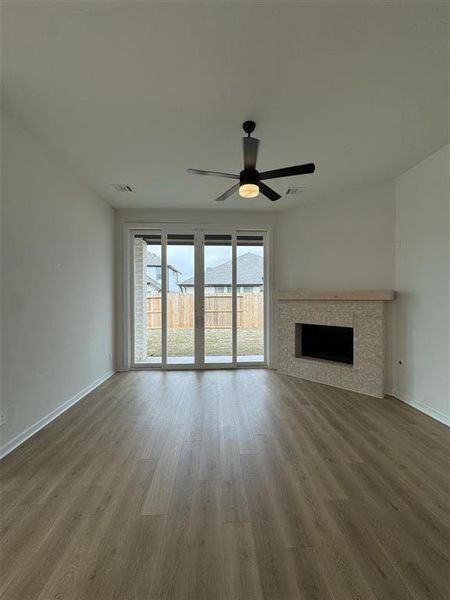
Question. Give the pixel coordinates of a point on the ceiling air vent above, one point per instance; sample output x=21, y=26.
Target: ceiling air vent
x=297, y=190
x=122, y=187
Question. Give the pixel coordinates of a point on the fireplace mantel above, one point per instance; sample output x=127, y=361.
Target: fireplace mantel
x=370, y=295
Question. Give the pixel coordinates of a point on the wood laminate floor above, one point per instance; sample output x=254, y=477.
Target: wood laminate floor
x=227, y=484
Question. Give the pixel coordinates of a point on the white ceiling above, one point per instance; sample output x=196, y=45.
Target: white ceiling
x=137, y=93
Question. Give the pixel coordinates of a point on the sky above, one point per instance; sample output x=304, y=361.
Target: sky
x=182, y=257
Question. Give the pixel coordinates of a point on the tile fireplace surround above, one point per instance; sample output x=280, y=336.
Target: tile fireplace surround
x=364, y=311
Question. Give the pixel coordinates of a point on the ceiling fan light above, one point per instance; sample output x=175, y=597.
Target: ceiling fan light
x=248, y=190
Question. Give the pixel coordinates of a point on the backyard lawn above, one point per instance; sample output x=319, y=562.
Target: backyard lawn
x=180, y=342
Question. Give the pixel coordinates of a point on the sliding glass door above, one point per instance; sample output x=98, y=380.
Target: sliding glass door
x=250, y=331
x=198, y=298
x=218, y=298
x=180, y=309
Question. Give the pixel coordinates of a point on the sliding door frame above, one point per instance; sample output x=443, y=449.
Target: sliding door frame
x=126, y=356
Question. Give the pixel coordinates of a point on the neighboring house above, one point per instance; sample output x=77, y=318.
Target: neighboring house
x=154, y=275
x=250, y=276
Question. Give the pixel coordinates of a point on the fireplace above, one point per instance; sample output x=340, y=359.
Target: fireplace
x=359, y=316
x=324, y=342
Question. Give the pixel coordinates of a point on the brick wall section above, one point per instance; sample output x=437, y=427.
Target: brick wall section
x=140, y=300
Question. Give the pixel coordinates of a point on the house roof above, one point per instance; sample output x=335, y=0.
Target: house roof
x=153, y=260
x=250, y=271
x=154, y=283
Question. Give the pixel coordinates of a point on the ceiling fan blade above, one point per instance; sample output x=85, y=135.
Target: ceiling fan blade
x=217, y=173
x=228, y=193
x=268, y=192
x=288, y=171
x=250, y=146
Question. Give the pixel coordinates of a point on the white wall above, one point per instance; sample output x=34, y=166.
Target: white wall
x=57, y=284
x=422, y=310
x=343, y=243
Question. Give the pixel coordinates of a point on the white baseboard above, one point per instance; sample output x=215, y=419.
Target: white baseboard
x=22, y=437
x=428, y=410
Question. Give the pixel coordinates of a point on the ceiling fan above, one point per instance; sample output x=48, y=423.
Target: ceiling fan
x=250, y=180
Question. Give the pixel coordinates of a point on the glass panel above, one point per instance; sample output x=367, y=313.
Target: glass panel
x=180, y=299
x=218, y=299
x=147, y=299
x=250, y=298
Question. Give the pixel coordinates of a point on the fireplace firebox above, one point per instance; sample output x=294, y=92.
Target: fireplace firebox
x=325, y=342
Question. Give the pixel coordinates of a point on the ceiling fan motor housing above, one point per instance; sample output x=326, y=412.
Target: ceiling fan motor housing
x=249, y=176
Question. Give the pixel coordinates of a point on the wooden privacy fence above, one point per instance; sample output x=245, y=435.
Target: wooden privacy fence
x=180, y=311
